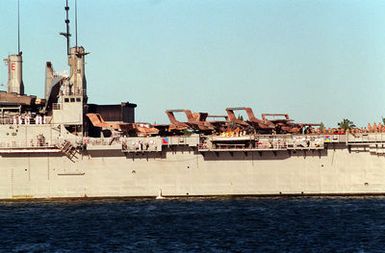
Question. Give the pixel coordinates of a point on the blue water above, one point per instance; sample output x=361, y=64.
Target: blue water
x=195, y=225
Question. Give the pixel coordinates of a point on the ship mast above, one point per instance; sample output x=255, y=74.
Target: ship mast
x=67, y=34
x=76, y=84
x=76, y=23
x=18, y=27
x=73, y=88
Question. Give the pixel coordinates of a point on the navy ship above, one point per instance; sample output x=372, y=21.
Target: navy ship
x=61, y=146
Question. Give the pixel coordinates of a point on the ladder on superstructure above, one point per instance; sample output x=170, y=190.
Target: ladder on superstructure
x=68, y=149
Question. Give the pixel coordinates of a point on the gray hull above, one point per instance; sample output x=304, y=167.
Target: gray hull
x=185, y=172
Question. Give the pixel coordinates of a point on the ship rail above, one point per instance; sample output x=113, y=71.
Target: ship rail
x=31, y=143
x=373, y=142
x=262, y=143
x=356, y=139
x=25, y=120
x=16, y=137
x=27, y=138
x=141, y=144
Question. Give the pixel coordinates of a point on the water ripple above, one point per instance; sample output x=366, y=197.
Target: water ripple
x=195, y=225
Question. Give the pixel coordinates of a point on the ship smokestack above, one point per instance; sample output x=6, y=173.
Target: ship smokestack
x=48, y=79
x=15, y=74
x=15, y=64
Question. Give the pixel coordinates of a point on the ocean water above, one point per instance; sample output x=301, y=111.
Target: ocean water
x=195, y=225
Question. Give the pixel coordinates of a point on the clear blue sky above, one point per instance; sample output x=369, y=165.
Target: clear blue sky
x=318, y=60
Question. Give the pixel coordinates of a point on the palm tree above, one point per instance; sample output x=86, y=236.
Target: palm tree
x=346, y=124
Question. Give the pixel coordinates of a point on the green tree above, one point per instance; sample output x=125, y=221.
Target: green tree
x=346, y=124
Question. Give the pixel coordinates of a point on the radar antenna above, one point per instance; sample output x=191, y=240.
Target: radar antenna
x=67, y=34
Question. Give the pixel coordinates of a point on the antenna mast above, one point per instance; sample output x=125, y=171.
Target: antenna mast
x=18, y=26
x=76, y=23
x=67, y=34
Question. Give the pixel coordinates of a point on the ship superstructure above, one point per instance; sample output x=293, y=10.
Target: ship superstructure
x=62, y=146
